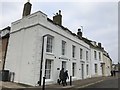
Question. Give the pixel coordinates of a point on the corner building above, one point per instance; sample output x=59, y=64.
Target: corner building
x=39, y=47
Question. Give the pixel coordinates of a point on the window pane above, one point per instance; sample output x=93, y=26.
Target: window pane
x=87, y=67
x=49, y=44
x=81, y=51
x=95, y=68
x=86, y=55
x=95, y=55
x=73, y=51
x=73, y=69
x=48, y=69
x=63, y=47
x=99, y=56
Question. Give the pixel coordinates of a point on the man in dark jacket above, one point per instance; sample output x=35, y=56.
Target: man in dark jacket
x=61, y=76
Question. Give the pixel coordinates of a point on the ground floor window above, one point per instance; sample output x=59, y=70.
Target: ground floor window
x=96, y=68
x=48, y=69
x=87, y=69
x=73, y=69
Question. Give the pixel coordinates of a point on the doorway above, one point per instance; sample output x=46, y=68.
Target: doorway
x=64, y=65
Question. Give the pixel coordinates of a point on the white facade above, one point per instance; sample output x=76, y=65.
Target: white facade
x=107, y=64
x=25, y=50
x=96, y=62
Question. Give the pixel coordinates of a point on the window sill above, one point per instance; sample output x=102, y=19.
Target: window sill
x=74, y=59
x=63, y=57
x=47, y=53
x=49, y=81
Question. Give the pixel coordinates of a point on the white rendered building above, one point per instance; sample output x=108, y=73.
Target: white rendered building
x=96, y=59
x=38, y=43
x=40, y=47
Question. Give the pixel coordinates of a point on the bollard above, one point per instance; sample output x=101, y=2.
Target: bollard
x=70, y=80
x=43, y=88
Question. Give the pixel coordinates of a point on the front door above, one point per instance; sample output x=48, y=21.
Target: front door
x=64, y=65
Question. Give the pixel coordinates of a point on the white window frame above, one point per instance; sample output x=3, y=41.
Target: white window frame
x=73, y=51
x=87, y=55
x=95, y=55
x=96, y=68
x=73, y=69
x=48, y=69
x=99, y=55
x=63, y=48
x=49, y=44
x=87, y=69
x=81, y=53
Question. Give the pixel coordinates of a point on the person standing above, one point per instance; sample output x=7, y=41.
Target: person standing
x=61, y=76
x=114, y=73
x=111, y=72
x=65, y=77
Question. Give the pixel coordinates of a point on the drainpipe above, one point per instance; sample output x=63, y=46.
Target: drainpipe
x=40, y=79
x=4, y=58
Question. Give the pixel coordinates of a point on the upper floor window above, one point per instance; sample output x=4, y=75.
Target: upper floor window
x=95, y=55
x=49, y=47
x=73, y=51
x=81, y=53
x=86, y=55
x=63, y=47
x=99, y=56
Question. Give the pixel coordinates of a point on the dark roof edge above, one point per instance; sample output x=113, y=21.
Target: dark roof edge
x=8, y=28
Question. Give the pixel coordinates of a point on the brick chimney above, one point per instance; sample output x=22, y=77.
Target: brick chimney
x=79, y=33
x=27, y=9
x=58, y=18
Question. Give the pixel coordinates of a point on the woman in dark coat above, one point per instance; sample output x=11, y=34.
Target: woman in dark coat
x=65, y=77
x=61, y=76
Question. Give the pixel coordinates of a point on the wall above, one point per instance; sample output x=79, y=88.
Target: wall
x=107, y=62
x=25, y=45
x=96, y=61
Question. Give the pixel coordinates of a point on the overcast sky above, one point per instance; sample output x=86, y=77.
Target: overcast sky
x=99, y=18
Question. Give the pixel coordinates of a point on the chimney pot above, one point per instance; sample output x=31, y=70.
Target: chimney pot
x=59, y=12
x=79, y=30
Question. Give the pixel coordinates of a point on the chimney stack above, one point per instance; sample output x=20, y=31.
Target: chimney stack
x=99, y=45
x=27, y=9
x=79, y=33
x=58, y=18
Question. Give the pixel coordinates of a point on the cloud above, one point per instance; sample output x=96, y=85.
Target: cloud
x=11, y=11
x=99, y=19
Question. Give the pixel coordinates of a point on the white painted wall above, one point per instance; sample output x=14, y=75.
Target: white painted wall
x=25, y=45
x=107, y=62
x=95, y=61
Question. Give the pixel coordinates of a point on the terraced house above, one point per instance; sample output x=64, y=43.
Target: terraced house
x=39, y=46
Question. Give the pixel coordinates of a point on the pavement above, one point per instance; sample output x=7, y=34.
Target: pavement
x=75, y=84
